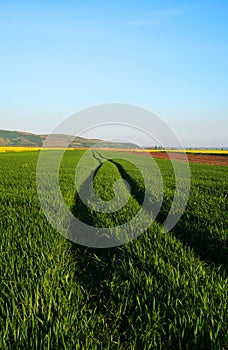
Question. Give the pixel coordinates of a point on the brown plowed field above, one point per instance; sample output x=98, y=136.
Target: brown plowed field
x=195, y=158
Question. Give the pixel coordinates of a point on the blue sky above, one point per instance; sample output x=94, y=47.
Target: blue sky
x=57, y=57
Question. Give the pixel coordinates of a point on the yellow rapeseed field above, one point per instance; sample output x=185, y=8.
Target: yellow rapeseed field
x=199, y=151
x=17, y=149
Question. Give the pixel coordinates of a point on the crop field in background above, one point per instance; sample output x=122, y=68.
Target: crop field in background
x=202, y=156
x=221, y=152
x=160, y=291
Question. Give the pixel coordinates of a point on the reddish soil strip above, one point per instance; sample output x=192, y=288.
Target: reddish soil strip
x=195, y=158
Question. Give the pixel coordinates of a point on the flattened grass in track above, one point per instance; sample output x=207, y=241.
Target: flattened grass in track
x=153, y=293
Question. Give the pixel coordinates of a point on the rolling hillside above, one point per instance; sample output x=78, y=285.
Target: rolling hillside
x=21, y=138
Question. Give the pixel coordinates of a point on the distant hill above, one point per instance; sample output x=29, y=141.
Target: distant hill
x=21, y=138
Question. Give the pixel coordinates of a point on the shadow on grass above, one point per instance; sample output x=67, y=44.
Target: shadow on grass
x=96, y=266
x=104, y=273
x=209, y=248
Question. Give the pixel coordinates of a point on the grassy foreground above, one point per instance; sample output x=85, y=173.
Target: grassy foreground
x=160, y=291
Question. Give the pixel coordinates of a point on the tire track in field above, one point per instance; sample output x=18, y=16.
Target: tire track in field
x=88, y=215
x=92, y=217
x=137, y=192
x=79, y=209
x=99, y=219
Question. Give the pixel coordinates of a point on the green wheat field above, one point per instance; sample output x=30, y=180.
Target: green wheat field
x=159, y=291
